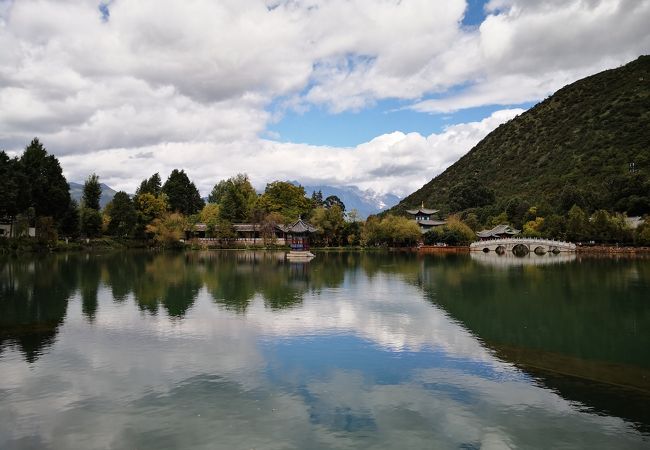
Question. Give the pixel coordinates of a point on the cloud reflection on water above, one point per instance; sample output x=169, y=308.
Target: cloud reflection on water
x=347, y=352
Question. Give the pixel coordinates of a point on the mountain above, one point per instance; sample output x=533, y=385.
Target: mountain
x=589, y=144
x=76, y=192
x=365, y=202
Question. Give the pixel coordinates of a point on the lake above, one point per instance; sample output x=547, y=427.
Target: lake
x=242, y=350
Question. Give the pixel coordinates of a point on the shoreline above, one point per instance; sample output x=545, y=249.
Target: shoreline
x=106, y=244
x=612, y=250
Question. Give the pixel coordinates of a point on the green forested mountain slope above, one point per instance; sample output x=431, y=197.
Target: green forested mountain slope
x=574, y=147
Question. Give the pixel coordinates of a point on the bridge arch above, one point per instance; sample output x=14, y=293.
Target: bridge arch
x=540, y=250
x=520, y=250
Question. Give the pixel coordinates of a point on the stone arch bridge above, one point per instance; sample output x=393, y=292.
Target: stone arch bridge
x=522, y=246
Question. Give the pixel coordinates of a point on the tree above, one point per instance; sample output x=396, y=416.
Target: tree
x=351, y=234
x=237, y=198
x=122, y=215
x=471, y=220
x=331, y=222
x=148, y=208
x=209, y=215
x=469, y=194
x=498, y=220
x=70, y=222
x=267, y=227
x=150, y=186
x=218, y=192
x=642, y=234
x=370, y=233
x=317, y=198
x=516, y=210
x=400, y=231
x=554, y=227
x=169, y=229
x=182, y=194
x=46, y=230
x=14, y=189
x=571, y=196
x=91, y=219
x=390, y=230
x=533, y=228
x=91, y=222
x=285, y=198
x=49, y=192
x=577, y=225
x=606, y=227
x=333, y=200
x=454, y=232
x=92, y=192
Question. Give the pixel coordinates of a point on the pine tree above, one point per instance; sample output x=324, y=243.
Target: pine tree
x=122, y=215
x=182, y=194
x=92, y=192
x=49, y=192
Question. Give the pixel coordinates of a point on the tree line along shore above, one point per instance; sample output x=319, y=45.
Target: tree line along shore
x=37, y=212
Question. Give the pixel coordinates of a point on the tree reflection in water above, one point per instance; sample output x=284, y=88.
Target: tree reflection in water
x=579, y=336
x=34, y=300
x=553, y=321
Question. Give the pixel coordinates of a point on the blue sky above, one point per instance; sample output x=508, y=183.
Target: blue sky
x=350, y=128
x=319, y=126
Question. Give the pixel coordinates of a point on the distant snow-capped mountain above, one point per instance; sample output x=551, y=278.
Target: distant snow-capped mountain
x=366, y=202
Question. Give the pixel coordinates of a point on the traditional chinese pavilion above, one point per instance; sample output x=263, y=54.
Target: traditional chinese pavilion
x=424, y=218
x=297, y=235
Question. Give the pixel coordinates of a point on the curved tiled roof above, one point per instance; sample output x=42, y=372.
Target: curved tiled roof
x=432, y=223
x=299, y=226
x=422, y=211
x=497, y=231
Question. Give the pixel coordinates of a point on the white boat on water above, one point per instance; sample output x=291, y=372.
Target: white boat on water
x=300, y=255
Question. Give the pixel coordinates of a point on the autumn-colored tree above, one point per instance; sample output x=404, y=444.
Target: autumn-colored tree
x=395, y=231
x=454, y=232
x=148, y=208
x=169, y=229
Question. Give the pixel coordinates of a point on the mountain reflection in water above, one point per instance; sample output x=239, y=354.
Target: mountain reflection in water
x=246, y=350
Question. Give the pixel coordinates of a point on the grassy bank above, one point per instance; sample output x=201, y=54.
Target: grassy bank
x=31, y=245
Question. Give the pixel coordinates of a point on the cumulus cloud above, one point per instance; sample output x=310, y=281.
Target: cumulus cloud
x=195, y=84
x=529, y=49
x=391, y=163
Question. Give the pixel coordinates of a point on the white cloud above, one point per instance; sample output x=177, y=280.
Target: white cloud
x=396, y=162
x=529, y=49
x=192, y=82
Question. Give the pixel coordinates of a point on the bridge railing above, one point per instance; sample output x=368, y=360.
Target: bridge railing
x=524, y=240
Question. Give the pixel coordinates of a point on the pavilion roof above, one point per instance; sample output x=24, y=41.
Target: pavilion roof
x=299, y=226
x=499, y=230
x=432, y=223
x=422, y=211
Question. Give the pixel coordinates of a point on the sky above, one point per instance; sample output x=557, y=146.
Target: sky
x=378, y=94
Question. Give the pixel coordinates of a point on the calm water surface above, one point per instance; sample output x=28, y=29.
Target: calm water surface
x=239, y=350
